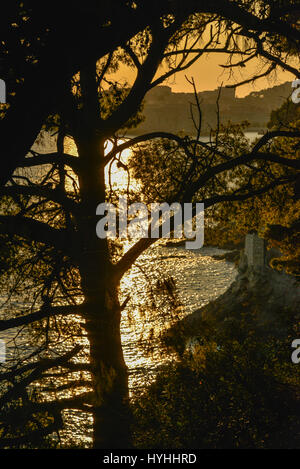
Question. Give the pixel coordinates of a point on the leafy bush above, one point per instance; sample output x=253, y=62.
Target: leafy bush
x=238, y=390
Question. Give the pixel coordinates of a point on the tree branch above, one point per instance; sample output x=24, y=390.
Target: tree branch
x=45, y=312
x=51, y=158
x=240, y=197
x=55, y=195
x=34, y=230
x=145, y=137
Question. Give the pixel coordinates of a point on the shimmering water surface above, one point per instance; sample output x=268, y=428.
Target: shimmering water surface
x=197, y=279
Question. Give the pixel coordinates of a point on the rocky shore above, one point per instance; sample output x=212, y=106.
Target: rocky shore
x=271, y=297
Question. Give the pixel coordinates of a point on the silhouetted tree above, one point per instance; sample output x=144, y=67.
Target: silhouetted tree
x=48, y=216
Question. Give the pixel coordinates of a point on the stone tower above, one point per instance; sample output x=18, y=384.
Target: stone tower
x=255, y=250
x=2, y=91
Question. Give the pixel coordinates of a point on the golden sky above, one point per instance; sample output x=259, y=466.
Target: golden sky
x=208, y=75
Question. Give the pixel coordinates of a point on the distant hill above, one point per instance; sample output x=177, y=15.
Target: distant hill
x=170, y=112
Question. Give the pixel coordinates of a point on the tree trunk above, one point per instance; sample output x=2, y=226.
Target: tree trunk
x=103, y=315
x=109, y=376
x=100, y=289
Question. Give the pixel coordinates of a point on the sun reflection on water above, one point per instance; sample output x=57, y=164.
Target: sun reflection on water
x=198, y=279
